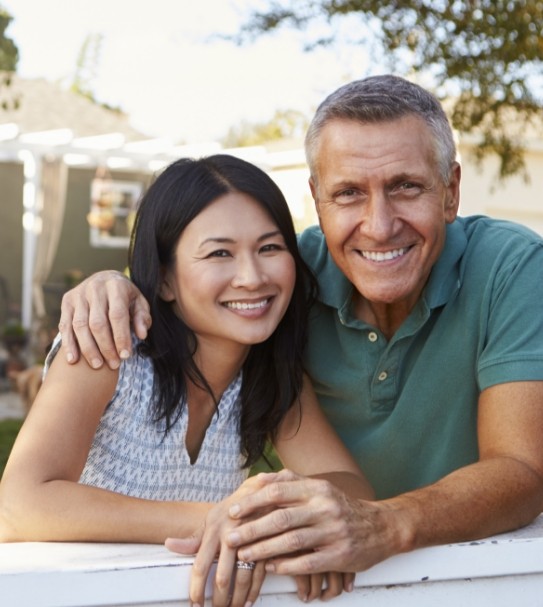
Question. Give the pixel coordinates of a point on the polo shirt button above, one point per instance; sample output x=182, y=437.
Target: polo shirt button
x=372, y=336
x=382, y=376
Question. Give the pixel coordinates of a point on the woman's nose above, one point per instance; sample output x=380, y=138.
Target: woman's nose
x=249, y=273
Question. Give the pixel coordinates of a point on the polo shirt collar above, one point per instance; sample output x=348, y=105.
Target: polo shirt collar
x=444, y=280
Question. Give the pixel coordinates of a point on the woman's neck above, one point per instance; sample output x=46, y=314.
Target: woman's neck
x=220, y=364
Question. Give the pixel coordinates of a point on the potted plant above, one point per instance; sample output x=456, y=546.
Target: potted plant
x=14, y=336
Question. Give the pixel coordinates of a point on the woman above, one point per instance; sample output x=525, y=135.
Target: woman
x=162, y=445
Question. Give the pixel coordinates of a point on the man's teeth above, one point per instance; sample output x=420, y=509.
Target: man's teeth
x=245, y=306
x=386, y=256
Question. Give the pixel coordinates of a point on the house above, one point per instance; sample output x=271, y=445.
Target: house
x=71, y=173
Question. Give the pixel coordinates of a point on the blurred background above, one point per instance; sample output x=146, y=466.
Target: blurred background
x=97, y=96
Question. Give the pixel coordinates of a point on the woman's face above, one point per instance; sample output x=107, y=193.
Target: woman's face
x=233, y=275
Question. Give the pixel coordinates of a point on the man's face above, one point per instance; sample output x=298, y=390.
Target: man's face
x=383, y=207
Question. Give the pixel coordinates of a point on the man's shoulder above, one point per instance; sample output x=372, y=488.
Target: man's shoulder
x=496, y=247
x=490, y=231
x=313, y=249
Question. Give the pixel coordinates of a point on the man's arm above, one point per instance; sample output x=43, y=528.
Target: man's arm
x=502, y=491
x=95, y=319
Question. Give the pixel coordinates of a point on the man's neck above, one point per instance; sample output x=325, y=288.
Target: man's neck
x=386, y=317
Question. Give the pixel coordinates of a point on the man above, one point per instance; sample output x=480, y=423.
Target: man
x=426, y=345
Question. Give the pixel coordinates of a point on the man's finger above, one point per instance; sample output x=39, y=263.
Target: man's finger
x=277, y=492
x=141, y=317
x=95, y=338
x=271, y=524
x=315, y=586
x=333, y=586
x=259, y=574
x=298, y=539
x=67, y=334
x=308, y=563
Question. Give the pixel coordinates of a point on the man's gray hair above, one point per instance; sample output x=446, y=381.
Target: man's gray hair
x=382, y=99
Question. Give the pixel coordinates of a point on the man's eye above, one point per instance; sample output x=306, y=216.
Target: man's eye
x=347, y=196
x=406, y=189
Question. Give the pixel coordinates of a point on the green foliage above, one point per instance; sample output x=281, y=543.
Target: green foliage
x=487, y=55
x=269, y=462
x=9, y=429
x=88, y=61
x=9, y=55
x=283, y=124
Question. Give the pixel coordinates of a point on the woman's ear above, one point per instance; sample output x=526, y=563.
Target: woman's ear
x=166, y=292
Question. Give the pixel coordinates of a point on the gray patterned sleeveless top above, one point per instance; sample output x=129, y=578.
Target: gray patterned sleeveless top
x=131, y=455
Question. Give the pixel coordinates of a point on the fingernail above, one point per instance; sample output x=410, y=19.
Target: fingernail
x=69, y=357
x=270, y=568
x=114, y=364
x=234, y=510
x=350, y=587
x=233, y=540
x=248, y=604
x=96, y=363
x=124, y=354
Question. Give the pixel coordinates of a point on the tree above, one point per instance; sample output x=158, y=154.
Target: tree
x=486, y=56
x=284, y=123
x=87, y=68
x=9, y=55
x=87, y=64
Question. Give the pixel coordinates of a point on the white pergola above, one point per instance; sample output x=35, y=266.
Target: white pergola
x=111, y=150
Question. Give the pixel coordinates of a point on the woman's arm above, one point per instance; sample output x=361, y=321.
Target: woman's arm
x=40, y=496
x=307, y=444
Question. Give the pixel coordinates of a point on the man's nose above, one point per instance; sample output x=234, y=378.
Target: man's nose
x=378, y=217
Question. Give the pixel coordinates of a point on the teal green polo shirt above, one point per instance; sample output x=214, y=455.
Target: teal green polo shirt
x=407, y=408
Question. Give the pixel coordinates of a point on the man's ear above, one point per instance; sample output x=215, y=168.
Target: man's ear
x=314, y=194
x=452, y=200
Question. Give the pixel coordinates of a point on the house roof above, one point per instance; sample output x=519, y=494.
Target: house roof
x=44, y=105
x=50, y=119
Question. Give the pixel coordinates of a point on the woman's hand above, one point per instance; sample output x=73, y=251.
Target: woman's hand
x=234, y=584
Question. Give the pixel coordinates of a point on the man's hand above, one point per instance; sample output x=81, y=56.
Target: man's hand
x=95, y=319
x=313, y=527
x=233, y=586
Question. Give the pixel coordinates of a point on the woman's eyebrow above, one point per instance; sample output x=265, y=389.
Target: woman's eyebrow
x=224, y=239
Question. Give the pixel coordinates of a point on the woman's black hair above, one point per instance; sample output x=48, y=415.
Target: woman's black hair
x=272, y=372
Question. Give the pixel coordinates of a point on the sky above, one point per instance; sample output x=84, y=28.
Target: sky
x=163, y=64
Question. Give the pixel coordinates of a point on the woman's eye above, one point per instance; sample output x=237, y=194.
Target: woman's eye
x=268, y=248
x=219, y=253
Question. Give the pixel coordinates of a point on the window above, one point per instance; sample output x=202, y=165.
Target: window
x=113, y=206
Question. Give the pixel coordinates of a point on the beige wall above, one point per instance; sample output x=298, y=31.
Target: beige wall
x=514, y=199
x=11, y=234
x=74, y=251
